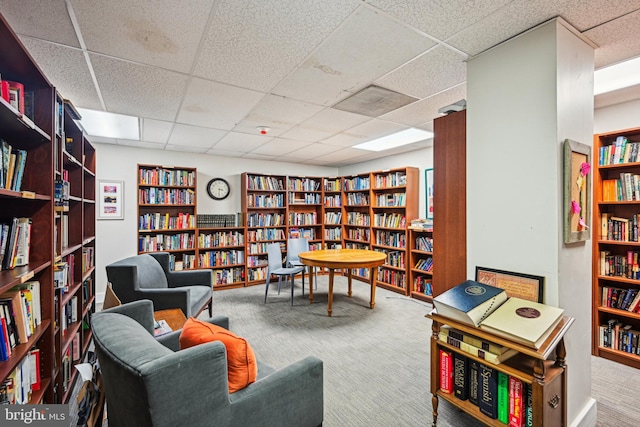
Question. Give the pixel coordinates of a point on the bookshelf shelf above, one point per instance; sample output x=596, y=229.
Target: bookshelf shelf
x=616, y=247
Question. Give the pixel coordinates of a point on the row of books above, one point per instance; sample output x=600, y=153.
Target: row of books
x=393, y=220
x=220, y=239
x=16, y=389
x=357, y=199
x=20, y=315
x=422, y=224
x=220, y=220
x=623, y=299
x=265, y=220
x=393, y=277
x=15, y=242
x=304, y=198
x=396, y=179
x=618, y=336
x=165, y=196
x=425, y=264
x=356, y=183
x=221, y=258
x=621, y=151
x=358, y=234
x=498, y=395
x=303, y=218
x=167, y=177
x=228, y=276
x=333, y=233
x=394, y=258
x=358, y=218
x=618, y=265
x=423, y=285
x=303, y=184
x=627, y=188
x=332, y=218
x=302, y=233
x=12, y=164
x=182, y=262
x=394, y=200
x=265, y=201
x=619, y=229
x=62, y=191
x=334, y=201
x=166, y=242
x=263, y=234
x=158, y=221
x=424, y=244
x=391, y=238
x=262, y=182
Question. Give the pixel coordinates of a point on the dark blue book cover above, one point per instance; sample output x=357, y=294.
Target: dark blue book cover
x=473, y=381
x=488, y=391
x=460, y=376
x=469, y=302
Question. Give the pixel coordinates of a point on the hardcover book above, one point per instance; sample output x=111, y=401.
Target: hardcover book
x=473, y=381
x=460, y=376
x=526, y=322
x=488, y=391
x=503, y=397
x=469, y=302
x=477, y=351
x=516, y=402
x=446, y=371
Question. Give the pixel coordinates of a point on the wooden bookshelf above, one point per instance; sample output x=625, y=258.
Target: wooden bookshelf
x=222, y=249
x=613, y=247
x=167, y=212
x=356, y=216
x=393, y=206
x=304, y=209
x=332, y=213
x=421, y=263
x=61, y=233
x=544, y=370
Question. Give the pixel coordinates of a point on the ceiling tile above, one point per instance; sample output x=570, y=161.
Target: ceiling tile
x=32, y=18
x=185, y=148
x=617, y=39
x=232, y=141
x=257, y=45
x=439, y=18
x=278, y=113
x=421, y=111
x=257, y=156
x=279, y=147
x=141, y=144
x=309, y=152
x=585, y=16
x=326, y=123
x=216, y=105
x=163, y=33
x=340, y=157
x=438, y=69
x=67, y=70
x=138, y=90
x=225, y=153
x=366, y=47
x=195, y=136
x=155, y=130
x=102, y=140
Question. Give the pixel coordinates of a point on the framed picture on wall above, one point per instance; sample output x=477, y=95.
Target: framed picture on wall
x=519, y=285
x=428, y=185
x=110, y=199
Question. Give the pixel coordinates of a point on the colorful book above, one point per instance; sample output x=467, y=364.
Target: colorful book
x=526, y=322
x=446, y=371
x=469, y=302
x=503, y=397
x=516, y=402
x=477, y=351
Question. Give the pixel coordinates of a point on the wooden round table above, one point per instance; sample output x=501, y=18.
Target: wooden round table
x=343, y=258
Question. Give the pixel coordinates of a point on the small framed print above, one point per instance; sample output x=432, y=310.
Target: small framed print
x=428, y=185
x=110, y=199
x=519, y=285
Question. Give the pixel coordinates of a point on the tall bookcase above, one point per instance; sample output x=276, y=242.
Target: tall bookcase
x=332, y=212
x=167, y=212
x=61, y=234
x=393, y=206
x=356, y=215
x=304, y=213
x=264, y=202
x=616, y=246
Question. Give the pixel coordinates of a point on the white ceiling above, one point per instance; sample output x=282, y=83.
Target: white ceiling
x=204, y=74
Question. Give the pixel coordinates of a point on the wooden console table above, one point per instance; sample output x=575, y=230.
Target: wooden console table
x=547, y=378
x=343, y=258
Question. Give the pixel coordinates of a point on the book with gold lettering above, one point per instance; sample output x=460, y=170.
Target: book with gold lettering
x=469, y=302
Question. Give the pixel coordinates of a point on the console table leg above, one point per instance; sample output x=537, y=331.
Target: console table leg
x=311, y=284
x=434, y=403
x=372, y=302
x=329, y=310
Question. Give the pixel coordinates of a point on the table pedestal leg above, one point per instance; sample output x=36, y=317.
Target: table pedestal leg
x=311, y=284
x=349, y=281
x=329, y=310
x=372, y=302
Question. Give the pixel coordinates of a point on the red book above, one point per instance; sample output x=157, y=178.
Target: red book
x=446, y=372
x=16, y=95
x=516, y=403
x=34, y=359
x=4, y=90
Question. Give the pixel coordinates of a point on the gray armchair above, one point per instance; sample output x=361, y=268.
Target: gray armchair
x=148, y=276
x=150, y=382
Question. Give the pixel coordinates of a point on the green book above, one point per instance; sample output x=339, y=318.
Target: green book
x=503, y=397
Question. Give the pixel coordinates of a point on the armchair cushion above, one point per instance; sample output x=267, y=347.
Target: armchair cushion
x=242, y=368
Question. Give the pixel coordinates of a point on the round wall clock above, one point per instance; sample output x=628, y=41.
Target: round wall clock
x=218, y=188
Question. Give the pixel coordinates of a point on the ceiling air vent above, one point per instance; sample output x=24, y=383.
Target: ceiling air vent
x=374, y=101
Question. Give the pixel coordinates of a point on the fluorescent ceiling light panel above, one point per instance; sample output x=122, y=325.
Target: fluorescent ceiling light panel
x=394, y=140
x=616, y=76
x=110, y=125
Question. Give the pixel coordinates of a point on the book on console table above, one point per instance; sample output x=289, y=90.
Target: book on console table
x=469, y=302
x=526, y=322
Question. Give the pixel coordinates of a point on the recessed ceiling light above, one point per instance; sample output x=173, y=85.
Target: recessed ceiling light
x=618, y=76
x=394, y=140
x=110, y=125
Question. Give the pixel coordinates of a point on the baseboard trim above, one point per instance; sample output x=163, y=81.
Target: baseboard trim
x=588, y=416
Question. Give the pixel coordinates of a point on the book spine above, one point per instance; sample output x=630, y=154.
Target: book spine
x=503, y=397
x=460, y=376
x=473, y=382
x=487, y=391
x=446, y=372
x=528, y=409
x=516, y=406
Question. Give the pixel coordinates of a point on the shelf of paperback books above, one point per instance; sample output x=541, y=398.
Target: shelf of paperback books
x=473, y=370
x=421, y=262
x=223, y=251
x=332, y=210
x=616, y=245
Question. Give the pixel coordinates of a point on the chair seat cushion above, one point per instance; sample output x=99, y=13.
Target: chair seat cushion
x=199, y=296
x=242, y=367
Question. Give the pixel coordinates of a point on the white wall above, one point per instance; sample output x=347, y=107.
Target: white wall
x=617, y=117
x=117, y=239
x=524, y=98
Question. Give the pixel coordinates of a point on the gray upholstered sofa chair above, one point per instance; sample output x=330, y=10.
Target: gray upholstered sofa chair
x=148, y=276
x=150, y=382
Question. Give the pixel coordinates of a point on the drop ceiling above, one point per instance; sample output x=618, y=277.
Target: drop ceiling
x=202, y=75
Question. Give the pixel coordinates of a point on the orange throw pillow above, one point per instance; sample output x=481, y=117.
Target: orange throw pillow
x=241, y=360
